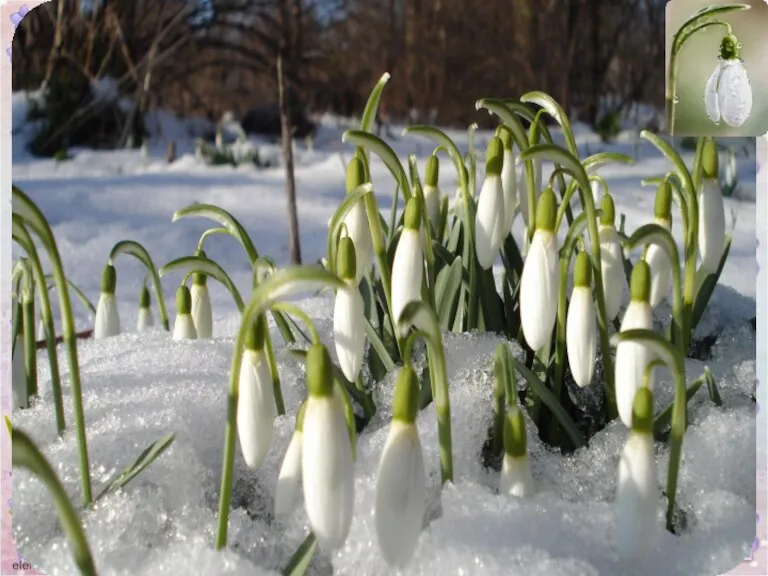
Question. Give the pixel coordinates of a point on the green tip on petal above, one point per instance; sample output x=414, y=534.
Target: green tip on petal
x=506, y=138
x=300, y=417
x=355, y=174
x=642, y=411
x=144, y=297
x=663, y=205
x=515, y=439
x=412, y=219
x=433, y=169
x=108, y=279
x=494, y=157
x=406, y=402
x=709, y=160
x=254, y=338
x=582, y=270
x=608, y=217
x=546, y=210
x=197, y=278
x=346, y=262
x=730, y=47
x=183, y=300
x=640, y=284
x=319, y=372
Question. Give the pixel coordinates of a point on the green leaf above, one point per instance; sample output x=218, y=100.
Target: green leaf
x=372, y=105
x=382, y=150
x=663, y=419
x=509, y=118
x=556, y=112
x=225, y=219
x=705, y=285
x=548, y=398
x=49, y=279
x=25, y=454
x=714, y=393
x=149, y=455
x=299, y=562
x=209, y=268
x=597, y=161
x=447, y=289
x=442, y=139
x=138, y=251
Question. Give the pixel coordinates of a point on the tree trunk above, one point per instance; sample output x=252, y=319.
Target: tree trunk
x=290, y=183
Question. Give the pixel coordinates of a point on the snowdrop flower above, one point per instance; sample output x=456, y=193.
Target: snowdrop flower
x=633, y=357
x=326, y=461
x=637, y=493
x=728, y=94
x=508, y=183
x=256, y=411
x=432, y=193
x=611, y=259
x=107, y=321
x=581, y=323
x=711, y=212
x=289, y=478
x=184, y=328
x=523, y=186
x=202, y=315
x=490, y=218
x=656, y=257
x=540, y=279
x=348, y=314
x=408, y=265
x=401, y=498
x=18, y=368
x=516, y=478
x=356, y=221
x=41, y=335
x=145, y=320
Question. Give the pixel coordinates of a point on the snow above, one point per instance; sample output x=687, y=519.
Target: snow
x=137, y=388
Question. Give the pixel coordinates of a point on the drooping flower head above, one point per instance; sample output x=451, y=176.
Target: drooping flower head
x=432, y=192
x=490, y=218
x=581, y=323
x=711, y=211
x=202, y=315
x=356, y=220
x=107, y=322
x=184, y=328
x=539, y=281
x=348, y=314
x=728, y=93
x=655, y=255
x=611, y=258
x=516, y=478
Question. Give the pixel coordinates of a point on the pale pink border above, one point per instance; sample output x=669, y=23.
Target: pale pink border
x=758, y=565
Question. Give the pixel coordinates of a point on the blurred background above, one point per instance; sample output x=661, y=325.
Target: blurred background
x=698, y=59
x=214, y=59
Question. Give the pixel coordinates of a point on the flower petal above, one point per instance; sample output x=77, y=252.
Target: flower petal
x=711, y=103
x=734, y=93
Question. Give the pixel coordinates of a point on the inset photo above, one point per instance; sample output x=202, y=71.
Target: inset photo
x=717, y=68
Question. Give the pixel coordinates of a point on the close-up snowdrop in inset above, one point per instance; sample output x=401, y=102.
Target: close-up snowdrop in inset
x=728, y=94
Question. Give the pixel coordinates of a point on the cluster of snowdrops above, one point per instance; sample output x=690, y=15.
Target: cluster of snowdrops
x=430, y=270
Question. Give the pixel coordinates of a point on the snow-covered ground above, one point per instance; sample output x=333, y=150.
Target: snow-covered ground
x=137, y=388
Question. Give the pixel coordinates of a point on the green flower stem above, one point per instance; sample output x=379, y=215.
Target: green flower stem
x=225, y=219
x=138, y=251
x=22, y=237
x=575, y=168
x=79, y=293
x=299, y=313
x=423, y=318
x=674, y=361
x=655, y=234
x=566, y=254
x=281, y=284
x=25, y=454
x=27, y=209
x=209, y=232
x=692, y=203
x=468, y=213
x=208, y=267
x=28, y=319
